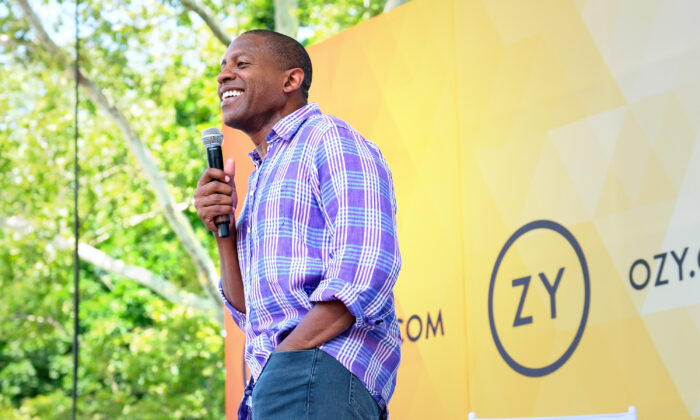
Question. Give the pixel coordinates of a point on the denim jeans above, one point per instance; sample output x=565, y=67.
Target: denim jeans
x=310, y=384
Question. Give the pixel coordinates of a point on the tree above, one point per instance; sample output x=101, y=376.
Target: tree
x=151, y=318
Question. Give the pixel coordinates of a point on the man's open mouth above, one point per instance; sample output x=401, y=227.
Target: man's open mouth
x=232, y=94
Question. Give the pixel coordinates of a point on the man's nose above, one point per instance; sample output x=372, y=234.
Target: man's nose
x=224, y=75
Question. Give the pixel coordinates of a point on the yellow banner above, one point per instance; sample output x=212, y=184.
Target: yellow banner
x=547, y=168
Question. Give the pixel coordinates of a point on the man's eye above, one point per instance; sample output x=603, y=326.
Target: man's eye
x=242, y=64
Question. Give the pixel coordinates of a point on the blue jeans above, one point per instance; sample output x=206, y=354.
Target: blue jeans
x=310, y=384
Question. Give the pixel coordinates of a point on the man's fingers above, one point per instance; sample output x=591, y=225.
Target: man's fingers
x=213, y=187
x=210, y=212
x=215, y=194
x=210, y=175
x=213, y=200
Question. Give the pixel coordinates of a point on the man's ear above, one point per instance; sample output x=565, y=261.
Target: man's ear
x=293, y=80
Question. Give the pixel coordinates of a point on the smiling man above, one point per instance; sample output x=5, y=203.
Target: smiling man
x=308, y=273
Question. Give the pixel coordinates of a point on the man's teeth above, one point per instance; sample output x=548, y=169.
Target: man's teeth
x=229, y=93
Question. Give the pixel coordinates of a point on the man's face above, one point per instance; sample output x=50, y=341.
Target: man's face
x=250, y=84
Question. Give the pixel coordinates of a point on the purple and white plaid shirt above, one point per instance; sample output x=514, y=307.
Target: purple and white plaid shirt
x=318, y=224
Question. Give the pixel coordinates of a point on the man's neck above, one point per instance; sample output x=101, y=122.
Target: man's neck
x=259, y=138
x=261, y=148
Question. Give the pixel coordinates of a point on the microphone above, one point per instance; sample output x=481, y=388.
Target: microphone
x=212, y=139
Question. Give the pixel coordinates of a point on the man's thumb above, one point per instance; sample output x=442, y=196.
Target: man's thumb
x=229, y=169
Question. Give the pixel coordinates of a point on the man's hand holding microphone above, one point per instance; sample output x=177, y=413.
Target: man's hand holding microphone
x=215, y=197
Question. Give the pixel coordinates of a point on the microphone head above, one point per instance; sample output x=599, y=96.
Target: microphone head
x=212, y=136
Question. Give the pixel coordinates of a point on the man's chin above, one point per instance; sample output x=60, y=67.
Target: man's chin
x=232, y=120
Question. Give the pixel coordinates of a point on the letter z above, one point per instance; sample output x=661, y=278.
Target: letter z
x=519, y=320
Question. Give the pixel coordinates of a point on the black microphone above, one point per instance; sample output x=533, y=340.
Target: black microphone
x=212, y=139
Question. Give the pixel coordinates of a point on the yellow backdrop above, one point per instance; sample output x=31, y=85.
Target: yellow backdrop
x=547, y=170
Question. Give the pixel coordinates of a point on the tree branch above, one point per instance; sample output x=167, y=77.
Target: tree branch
x=286, y=21
x=391, y=4
x=209, y=18
x=140, y=275
x=208, y=277
x=42, y=36
x=102, y=235
x=144, y=277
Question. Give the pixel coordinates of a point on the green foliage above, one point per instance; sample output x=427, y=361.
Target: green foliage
x=328, y=18
x=140, y=355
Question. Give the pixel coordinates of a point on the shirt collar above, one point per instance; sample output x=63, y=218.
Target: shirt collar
x=287, y=127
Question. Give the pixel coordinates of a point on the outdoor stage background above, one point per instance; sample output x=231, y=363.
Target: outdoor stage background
x=494, y=114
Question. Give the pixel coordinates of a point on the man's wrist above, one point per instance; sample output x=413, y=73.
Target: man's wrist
x=283, y=347
x=290, y=345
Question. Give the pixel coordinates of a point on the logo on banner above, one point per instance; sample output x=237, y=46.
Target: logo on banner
x=539, y=298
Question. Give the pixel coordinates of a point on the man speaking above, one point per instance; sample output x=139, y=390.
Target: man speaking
x=308, y=271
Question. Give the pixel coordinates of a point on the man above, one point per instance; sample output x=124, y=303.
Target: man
x=308, y=271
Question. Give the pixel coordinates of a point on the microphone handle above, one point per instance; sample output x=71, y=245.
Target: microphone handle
x=216, y=160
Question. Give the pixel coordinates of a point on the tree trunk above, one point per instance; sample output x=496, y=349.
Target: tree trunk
x=208, y=276
x=286, y=20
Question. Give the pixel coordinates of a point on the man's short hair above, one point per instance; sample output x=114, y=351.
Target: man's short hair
x=290, y=54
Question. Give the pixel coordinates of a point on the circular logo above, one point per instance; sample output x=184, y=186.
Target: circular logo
x=550, y=287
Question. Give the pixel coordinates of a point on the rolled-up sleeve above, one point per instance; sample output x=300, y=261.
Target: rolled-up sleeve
x=355, y=191
x=238, y=316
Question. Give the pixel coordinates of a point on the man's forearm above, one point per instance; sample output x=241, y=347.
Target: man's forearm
x=231, y=280
x=323, y=322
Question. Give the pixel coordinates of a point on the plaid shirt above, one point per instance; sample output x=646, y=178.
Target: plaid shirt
x=318, y=224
